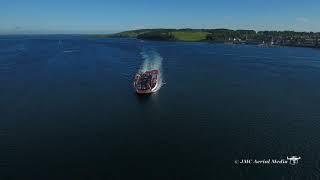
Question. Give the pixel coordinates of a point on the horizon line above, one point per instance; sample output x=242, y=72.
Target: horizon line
x=135, y=29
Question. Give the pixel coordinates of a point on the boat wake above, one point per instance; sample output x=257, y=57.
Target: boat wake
x=152, y=61
x=70, y=51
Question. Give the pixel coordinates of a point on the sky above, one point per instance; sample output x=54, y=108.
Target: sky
x=109, y=16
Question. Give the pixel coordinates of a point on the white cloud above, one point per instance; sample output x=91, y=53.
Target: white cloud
x=302, y=19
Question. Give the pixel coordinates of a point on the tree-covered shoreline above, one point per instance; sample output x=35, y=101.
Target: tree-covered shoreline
x=266, y=38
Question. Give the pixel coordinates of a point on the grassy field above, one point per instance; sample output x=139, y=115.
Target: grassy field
x=190, y=35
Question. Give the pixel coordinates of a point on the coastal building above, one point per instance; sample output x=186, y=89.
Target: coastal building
x=309, y=42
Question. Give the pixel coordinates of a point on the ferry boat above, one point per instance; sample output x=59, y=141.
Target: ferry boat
x=146, y=82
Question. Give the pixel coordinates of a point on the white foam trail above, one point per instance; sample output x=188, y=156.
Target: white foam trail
x=152, y=60
x=70, y=51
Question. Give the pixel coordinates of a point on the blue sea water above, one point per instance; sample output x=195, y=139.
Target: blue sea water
x=68, y=110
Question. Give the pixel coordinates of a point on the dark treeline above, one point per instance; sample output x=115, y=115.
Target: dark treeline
x=160, y=35
x=229, y=35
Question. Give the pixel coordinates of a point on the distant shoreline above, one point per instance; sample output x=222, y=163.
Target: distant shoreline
x=261, y=38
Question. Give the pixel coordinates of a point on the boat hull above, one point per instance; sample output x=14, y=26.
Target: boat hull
x=147, y=82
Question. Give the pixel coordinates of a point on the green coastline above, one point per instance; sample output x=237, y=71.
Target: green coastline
x=263, y=38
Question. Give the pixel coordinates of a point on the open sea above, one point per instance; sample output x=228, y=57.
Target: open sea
x=68, y=110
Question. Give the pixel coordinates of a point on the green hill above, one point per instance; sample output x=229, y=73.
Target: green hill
x=190, y=35
x=162, y=34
